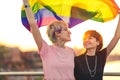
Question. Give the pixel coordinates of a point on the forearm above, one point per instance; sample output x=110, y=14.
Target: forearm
x=115, y=39
x=117, y=32
x=33, y=25
x=29, y=13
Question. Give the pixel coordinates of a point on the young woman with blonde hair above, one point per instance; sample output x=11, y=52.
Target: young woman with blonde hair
x=58, y=59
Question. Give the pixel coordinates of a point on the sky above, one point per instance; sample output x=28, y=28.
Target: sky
x=14, y=34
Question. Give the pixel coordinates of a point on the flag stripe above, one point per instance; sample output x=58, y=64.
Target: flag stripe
x=72, y=12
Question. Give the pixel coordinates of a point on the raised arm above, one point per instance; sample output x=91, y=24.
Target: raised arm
x=115, y=39
x=33, y=26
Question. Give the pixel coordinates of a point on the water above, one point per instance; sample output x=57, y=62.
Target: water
x=112, y=67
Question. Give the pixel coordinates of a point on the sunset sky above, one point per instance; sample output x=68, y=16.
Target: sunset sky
x=14, y=34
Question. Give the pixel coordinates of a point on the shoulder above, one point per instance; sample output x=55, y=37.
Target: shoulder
x=80, y=56
x=71, y=50
x=79, y=59
x=102, y=51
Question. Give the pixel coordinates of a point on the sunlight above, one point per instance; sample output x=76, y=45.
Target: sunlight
x=105, y=29
x=13, y=33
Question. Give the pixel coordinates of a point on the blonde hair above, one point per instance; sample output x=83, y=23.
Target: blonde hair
x=55, y=26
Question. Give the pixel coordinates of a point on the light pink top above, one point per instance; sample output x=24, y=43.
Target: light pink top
x=58, y=63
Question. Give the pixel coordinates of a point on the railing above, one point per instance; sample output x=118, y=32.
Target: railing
x=42, y=73
x=112, y=74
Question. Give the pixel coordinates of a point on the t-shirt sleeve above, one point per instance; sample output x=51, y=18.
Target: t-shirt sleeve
x=44, y=48
x=103, y=54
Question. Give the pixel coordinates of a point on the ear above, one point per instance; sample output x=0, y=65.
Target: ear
x=98, y=42
x=57, y=34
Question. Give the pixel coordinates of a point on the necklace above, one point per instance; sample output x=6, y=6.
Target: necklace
x=92, y=72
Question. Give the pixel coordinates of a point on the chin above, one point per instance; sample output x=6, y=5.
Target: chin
x=68, y=40
x=87, y=47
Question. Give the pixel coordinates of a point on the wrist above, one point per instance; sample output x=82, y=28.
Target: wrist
x=26, y=6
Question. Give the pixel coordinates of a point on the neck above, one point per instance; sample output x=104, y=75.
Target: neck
x=59, y=44
x=91, y=52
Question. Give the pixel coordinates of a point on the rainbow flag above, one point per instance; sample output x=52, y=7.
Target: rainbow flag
x=72, y=12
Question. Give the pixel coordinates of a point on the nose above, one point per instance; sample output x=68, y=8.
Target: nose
x=69, y=31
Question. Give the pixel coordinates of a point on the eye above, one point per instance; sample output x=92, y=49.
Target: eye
x=89, y=37
x=65, y=29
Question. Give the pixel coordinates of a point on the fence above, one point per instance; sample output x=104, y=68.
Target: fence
x=42, y=73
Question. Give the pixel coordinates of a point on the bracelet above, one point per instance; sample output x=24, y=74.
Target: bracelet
x=26, y=6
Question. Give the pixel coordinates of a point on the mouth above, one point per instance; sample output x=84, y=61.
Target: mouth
x=87, y=43
x=68, y=35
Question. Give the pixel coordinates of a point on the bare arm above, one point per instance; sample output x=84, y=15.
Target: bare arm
x=33, y=26
x=115, y=39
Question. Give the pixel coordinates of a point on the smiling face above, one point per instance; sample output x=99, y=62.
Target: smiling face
x=64, y=35
x=58, y=30
x=90, y=42
x=92, y=39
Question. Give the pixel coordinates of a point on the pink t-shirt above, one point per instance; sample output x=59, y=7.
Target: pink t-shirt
x=58, y=63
